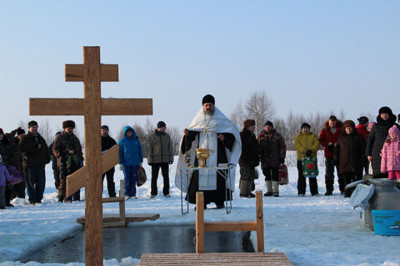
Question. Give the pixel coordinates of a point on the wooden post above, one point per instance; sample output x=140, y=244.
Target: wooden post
x=93, y=192
x=259, y=221
x=199, y=222
x=92, y=73
x=202, y=226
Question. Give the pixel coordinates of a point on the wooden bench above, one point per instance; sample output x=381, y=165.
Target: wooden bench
x=239, y=259
x=121, y=219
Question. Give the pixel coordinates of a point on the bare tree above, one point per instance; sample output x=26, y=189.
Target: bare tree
x=46, y=132
x=293, y=125
x=260, y=108
x=175, y=135
x=238, y=115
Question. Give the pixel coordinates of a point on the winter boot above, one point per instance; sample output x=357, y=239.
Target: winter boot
x=268, y=183
x=61, y=190
x=111, y=190
x=243, y=187
x=329, y=186
x=275, y=188
x=61, y=195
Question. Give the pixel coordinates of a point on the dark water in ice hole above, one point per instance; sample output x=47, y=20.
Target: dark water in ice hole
x=133, y=240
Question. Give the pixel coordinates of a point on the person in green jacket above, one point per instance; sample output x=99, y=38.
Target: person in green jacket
x=306, y=144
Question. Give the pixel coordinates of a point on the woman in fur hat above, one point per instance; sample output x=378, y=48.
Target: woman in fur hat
x=385, y=120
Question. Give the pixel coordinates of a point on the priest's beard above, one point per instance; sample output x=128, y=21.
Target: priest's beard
x=208, y=112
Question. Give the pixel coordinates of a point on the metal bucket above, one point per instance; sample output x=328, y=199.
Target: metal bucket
x=385, y=197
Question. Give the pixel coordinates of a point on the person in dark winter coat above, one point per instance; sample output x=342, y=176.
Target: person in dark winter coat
x=272, y=149
x=35, y=157
x=6, y=151
x=362, y=129
x=55, y=164
x=160, y=154
x=19, y=188
x=328, y=137
x=249, y=159
x=379, y=132
x=68, y=151
x=349, y=154
x=4, y=178
x=107, y=142
x=130, y=158
x=306, y=144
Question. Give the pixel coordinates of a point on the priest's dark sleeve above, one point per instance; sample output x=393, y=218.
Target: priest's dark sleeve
x=187, y=141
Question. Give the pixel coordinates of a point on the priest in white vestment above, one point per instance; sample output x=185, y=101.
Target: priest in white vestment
x=212, y=130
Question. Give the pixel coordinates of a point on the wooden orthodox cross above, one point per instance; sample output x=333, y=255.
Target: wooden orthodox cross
x=92, y=107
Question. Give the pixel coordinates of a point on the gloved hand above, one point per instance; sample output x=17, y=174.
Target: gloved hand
x=282, y=161
x=170, y=162
x=331, y=147
x=308, y=153
x=121, y=167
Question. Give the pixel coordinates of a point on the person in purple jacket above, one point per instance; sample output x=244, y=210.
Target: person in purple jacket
x=4, y=176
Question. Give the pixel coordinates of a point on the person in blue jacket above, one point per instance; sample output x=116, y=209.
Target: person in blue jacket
x=130, y=158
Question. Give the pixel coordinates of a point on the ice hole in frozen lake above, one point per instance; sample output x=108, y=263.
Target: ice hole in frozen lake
x=134, y=240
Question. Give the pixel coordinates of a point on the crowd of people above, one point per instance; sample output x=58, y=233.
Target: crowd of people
x=368, y=148
x=23, y=157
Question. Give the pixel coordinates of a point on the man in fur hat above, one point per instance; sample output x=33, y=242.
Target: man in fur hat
x=328, y=138
x=68, y=150
x=212, y=130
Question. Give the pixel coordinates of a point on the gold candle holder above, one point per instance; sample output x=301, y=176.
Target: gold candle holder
x=187, y=160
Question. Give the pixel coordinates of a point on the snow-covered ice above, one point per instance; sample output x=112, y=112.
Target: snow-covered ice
x=310, y=230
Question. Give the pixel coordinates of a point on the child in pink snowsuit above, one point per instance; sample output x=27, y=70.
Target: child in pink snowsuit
x=391, y=154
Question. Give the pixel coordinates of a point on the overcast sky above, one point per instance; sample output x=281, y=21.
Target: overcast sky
x=308, y=56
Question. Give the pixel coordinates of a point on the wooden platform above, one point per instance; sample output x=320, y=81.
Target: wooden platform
x=109, y=218
x=246, y=258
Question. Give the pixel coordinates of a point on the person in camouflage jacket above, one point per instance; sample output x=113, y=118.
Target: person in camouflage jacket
x=272, y=150
x=67, y=148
